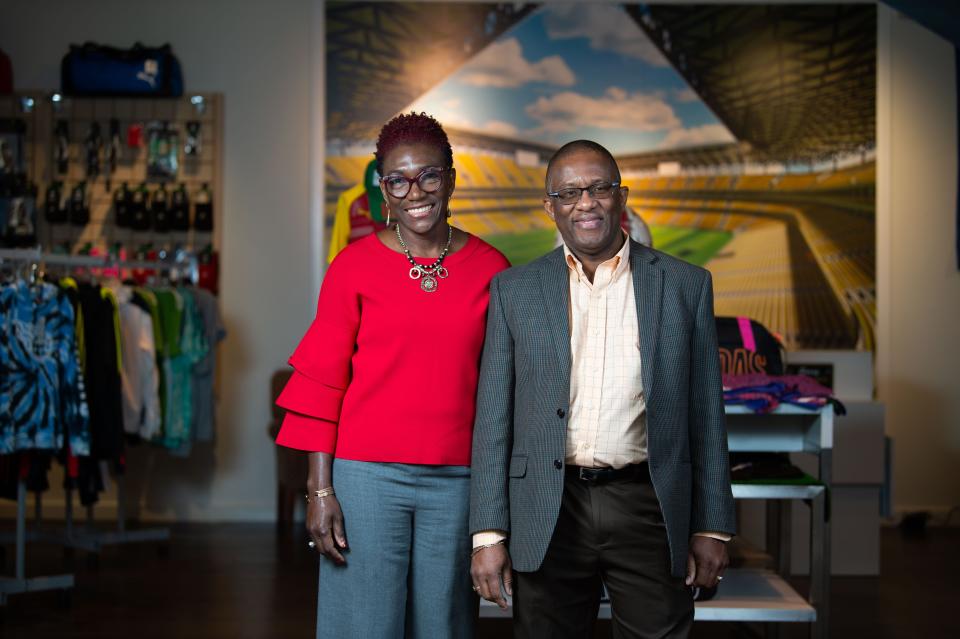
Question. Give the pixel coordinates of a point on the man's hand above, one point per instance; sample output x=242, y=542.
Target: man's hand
x=487, y=568
x=706, y=562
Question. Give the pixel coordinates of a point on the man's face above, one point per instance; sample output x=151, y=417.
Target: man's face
x=590, y=227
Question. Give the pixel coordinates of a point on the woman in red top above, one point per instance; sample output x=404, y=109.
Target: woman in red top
x=383, y=396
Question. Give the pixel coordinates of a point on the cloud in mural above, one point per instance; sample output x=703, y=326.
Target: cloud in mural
x=685, y=95
x=502, y=65
x=615, y=109
x=450, y=114
x=697, y=136
x=498, y=127
x=608, y=28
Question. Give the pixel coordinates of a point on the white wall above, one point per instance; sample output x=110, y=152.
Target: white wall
x=918, y=284
x=258, y=55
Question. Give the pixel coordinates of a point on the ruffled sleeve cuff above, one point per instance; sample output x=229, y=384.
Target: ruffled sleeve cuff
x=313, y=414
x=311, y=398
x=308, y=433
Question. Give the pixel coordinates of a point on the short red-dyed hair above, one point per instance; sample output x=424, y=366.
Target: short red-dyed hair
x=412, y=128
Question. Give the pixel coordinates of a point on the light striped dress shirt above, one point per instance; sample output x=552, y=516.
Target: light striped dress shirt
x=607, y=425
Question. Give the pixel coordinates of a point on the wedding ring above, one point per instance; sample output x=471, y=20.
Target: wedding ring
x=719, y=577
x=476, y=588
x=312, y=543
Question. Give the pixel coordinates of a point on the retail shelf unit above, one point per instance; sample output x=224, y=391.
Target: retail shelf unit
x=763, y=595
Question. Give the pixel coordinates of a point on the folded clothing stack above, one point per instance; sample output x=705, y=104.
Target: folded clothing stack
x=763, y=393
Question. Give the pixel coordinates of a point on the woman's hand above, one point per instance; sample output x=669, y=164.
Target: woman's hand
x=325, y=526
x=324, y=517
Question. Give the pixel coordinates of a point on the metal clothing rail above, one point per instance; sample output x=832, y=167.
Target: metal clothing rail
x=181, y=260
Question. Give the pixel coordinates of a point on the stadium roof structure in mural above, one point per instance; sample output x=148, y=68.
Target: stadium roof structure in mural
x=381, y=56
x=711, y=155
x=796, y=82
x=498, y=143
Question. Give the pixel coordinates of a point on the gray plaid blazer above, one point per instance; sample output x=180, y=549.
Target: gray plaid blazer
x=524, y=394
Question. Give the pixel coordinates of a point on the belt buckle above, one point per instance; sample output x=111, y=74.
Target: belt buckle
x=583, y=474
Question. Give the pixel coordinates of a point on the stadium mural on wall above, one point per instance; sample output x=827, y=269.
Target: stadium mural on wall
x=745, y=133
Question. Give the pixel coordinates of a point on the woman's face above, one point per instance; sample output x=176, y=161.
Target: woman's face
x=419, y=211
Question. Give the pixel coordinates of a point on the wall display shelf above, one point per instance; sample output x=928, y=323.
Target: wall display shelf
x=103, y=143
x=759, y=594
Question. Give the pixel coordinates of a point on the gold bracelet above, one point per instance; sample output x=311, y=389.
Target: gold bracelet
x=479, y=548
x=320, y=494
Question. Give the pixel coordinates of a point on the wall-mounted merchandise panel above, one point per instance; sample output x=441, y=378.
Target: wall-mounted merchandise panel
x=136, y=178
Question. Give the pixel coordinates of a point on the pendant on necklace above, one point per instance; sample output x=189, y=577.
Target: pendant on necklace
x=428, y=283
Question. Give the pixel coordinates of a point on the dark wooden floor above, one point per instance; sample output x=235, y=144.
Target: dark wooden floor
x=229, y=581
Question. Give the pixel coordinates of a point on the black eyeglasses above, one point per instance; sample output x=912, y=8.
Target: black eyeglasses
x=572, y=195
x=429, y=180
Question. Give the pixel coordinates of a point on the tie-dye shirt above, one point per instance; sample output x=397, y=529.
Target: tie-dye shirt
x=42, y=398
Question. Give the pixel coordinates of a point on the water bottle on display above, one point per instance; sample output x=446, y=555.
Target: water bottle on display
x=180, y=209
x=139, y=218
x=121, y=206
x=203, y=210
x=159, y=210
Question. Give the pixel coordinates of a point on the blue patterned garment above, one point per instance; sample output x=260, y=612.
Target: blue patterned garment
x=41, y=386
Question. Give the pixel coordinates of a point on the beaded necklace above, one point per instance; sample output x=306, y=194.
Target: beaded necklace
x=429, y=275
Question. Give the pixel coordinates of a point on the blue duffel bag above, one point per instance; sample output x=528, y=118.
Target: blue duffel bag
x=94, y=69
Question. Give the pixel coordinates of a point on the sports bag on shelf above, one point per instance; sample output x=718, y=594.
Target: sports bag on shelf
x=94, y=69
x=746, y=346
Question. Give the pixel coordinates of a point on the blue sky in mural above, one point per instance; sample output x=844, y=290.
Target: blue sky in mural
x=576, y=71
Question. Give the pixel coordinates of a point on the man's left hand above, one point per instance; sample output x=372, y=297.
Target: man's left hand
x=706, y=562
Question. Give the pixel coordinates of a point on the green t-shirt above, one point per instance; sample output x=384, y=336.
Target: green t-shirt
x=184, y=345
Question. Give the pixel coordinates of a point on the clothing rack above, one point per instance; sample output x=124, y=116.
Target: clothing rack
x=88, y=538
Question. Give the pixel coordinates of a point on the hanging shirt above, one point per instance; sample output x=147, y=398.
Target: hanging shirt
x=102, y=371
x=170, y=310
x=139, y=376
x=204, y=417
x=353, y=218
x=42, y=403
x=146, y=300
x=184, y=346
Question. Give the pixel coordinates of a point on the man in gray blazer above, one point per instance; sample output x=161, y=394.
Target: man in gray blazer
x=599, y=448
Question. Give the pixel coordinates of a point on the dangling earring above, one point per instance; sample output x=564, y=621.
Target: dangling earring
x=388, y=216
x=449, y=213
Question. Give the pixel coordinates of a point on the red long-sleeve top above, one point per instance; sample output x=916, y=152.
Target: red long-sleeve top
x=388, y=372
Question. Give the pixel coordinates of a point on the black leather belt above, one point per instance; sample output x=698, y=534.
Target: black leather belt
x=602, y=475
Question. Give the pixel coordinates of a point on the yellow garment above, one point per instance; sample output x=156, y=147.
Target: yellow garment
x=69, y=282
x=340, y=234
